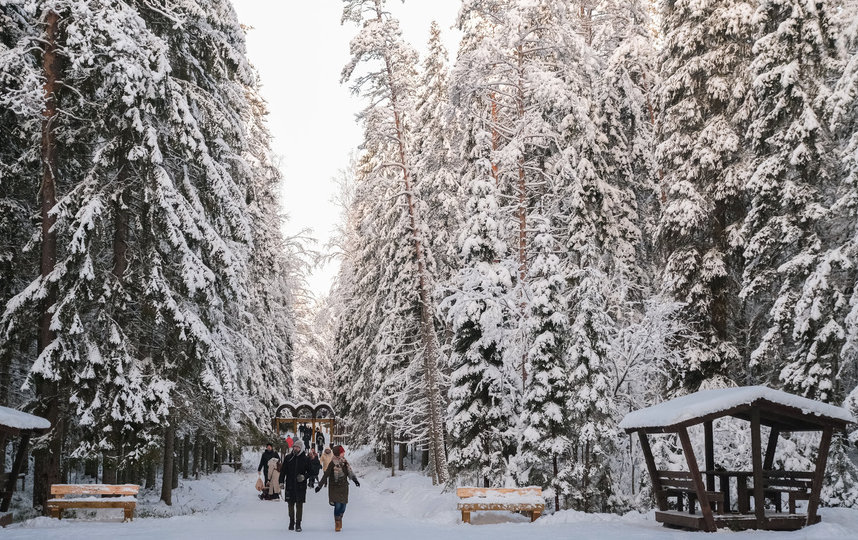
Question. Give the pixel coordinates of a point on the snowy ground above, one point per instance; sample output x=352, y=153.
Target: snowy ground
x=225, y=506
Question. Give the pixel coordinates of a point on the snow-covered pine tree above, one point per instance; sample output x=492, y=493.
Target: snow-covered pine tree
x=700, y=130
x=844, y=211
x=586, y=473
x=389, y=86
x=791, y=177
x=481, y=412
x=20, y=108
x=435, y=160
x=544, y=420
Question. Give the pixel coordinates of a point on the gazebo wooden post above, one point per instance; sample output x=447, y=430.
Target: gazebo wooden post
x=757, y=464
x=819, y=474
x=709, y=454
x=769, y=461
x=660, y=499
x=17, y=465
x=696, y=478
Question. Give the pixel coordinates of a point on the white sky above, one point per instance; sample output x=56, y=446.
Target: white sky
x=299, y=49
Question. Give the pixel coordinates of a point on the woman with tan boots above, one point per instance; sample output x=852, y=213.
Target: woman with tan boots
x=336, y=476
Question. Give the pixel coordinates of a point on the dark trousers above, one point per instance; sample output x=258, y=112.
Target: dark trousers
x=295, y=514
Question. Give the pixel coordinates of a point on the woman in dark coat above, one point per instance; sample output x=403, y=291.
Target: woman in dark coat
x=293, y=474
x=337, y=478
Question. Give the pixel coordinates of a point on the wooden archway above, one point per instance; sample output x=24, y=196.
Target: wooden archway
x=316, y=415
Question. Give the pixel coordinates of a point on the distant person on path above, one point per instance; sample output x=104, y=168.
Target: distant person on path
x=307, y=435
x=266, y=456
x=294, y=472
x=289, y=441
x=337, y=478
x=320, y=441
x=315, y=466
x=326, y=458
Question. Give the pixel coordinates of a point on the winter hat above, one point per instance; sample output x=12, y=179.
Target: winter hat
x=298, y=444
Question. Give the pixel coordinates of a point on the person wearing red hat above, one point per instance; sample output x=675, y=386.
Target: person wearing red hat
x=336, y=477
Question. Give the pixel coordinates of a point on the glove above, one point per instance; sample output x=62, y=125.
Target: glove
x=300, y=478
x=357, y=483
x=318, y=489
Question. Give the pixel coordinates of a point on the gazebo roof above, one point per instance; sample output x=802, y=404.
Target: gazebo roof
x=786, y=411
x=13, y=420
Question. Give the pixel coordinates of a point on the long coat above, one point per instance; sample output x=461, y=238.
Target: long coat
x=273, y=483
x=325, y=458
x=338, y=485
x=290, y=469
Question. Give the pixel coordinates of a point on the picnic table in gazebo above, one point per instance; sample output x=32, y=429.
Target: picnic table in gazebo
x=760, y=406
x=15, y=423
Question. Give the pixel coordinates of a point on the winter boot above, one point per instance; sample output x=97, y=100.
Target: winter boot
x=339, y=524
x=297, y=526
x=291, y=524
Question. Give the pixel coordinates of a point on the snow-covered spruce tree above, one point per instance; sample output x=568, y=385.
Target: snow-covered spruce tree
x=389, y=88
x=314, y=351
x=844, y=211
x=545, y=424
x=20, y=108
x=481, y=412
x=586, y=474
x=700, y=129
x=625, y=121
x=435, y=160
x=791, y=177
x=276, y=279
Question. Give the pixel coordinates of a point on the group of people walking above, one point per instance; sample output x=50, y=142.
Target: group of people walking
x=297, y=469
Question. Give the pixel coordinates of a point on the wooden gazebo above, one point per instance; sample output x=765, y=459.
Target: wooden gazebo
x=677, y=493
x=15, y=423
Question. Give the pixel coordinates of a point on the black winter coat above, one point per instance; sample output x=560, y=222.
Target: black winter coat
x=290, y=469
x=315, y=466
x=266, y=455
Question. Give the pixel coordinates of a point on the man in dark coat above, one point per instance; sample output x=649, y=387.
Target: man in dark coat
x=315, y=466
x=267, y=455
x=320, y=441
x=294, y=472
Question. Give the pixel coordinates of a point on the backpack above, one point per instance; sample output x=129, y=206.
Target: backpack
x=278, y=465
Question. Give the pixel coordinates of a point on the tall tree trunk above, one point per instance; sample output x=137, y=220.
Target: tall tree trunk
x=47, y=460
x=176, y=464
x=427, y=317
x=196, y=466
x=402, y=451
x=186, y=450
x=151, y=469
x=167, y=480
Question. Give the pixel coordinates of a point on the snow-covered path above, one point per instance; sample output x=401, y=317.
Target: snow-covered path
x=384, y=508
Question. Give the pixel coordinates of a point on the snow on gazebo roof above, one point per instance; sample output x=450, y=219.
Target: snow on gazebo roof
x=15, y=419
x=707, y=402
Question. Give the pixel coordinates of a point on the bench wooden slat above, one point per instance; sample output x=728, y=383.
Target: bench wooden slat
x=467, y=492
x=94, y=489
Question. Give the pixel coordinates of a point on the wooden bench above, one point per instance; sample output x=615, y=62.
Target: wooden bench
x=680, y=484
x=93, y=496
x=796, y=485
x=527, y=499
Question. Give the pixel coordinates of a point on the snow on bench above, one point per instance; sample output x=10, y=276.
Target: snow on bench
x=705, y=402
x=92, y=498
x=527, y=499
